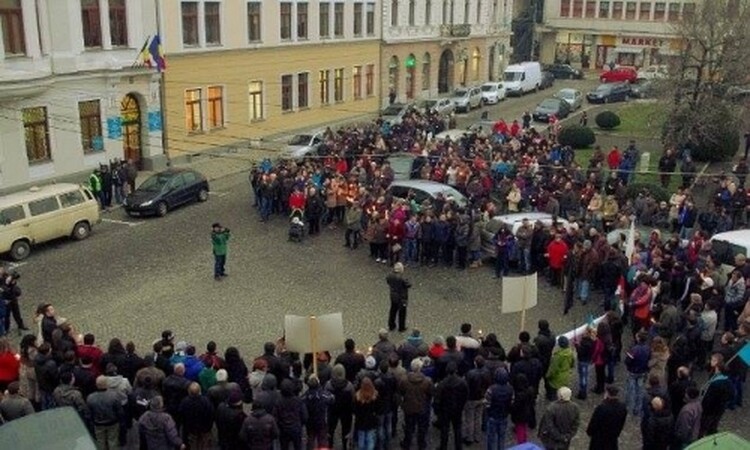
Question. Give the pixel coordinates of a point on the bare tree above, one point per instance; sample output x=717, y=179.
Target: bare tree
x=707, y=76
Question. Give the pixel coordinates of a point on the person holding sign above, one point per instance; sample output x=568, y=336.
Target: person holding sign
x=399, y=287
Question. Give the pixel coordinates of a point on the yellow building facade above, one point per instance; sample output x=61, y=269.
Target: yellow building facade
x=242, y=71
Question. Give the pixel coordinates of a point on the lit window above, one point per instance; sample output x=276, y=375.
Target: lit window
x=193, y=110
x=255, y=92
x=215, y=106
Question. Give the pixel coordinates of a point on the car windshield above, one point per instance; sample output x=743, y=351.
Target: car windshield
x=300, y=139
x=603, y=89
x=566, y=94
x=450, y=192
x=549, y=104
x=401, y=164
x=460, y=93
x=725, y=251
x=488, y=87
x=392, y=111
x=429, y=103
x=512, y=76
x=155, y=183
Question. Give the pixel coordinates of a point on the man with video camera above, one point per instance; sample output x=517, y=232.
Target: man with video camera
x=219, y=238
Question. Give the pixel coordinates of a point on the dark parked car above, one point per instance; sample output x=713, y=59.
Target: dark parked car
x=565, y=72
x=551, y=106
x=548, y=80
x=643, y=89
x=166, y=190
x=609, y=92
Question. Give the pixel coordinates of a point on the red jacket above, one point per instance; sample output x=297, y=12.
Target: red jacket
x=395, y=232
x=297, y=200
x=613, y=159
x=9, y=366
x=557, y=251
x=93, y=352
x=342, y=167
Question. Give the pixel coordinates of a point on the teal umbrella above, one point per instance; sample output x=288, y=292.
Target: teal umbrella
x=720, y=441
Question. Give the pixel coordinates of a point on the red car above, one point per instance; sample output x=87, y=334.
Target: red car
x=619, y=75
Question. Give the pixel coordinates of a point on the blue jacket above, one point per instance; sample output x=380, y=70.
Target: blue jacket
x=193, y=367
x=499, y=396
x=442, y=231
x=636, y=360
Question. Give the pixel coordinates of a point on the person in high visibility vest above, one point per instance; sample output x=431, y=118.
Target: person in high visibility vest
x=95, y=184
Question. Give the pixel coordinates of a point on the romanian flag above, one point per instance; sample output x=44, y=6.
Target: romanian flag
x=156, y=53
x=143, y=58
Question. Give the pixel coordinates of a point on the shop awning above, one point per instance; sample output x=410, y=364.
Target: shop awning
x=628, y=49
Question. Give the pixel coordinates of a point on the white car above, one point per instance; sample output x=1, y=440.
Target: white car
x=514, y=222
x=574, y=97
x=653, y=73
x=302, y=145
x=467, y=99
x=493, y=92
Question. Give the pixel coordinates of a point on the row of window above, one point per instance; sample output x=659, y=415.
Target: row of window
x=293, y=21
x=207, y=113
x=14, y=39
x=448, y=10
x=633, y=10
x=36, y=130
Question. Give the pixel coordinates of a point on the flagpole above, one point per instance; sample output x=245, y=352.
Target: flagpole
x=162, y=91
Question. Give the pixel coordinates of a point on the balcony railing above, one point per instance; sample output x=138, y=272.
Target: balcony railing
x=460, y=30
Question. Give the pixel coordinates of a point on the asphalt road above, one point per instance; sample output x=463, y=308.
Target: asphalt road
x=134, y=278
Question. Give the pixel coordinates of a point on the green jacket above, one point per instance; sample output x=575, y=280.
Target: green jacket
x=95, y=183
x=561, y=368
x=219, y=242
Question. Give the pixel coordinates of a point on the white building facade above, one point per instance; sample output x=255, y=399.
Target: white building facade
x=71, y=94
x=432, y=46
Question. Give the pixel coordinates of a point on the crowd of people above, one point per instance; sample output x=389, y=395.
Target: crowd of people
x=673, y=317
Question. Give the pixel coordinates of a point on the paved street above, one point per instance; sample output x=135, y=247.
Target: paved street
x=135, y=277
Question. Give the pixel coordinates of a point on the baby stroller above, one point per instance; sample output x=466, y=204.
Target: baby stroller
x=296, y=229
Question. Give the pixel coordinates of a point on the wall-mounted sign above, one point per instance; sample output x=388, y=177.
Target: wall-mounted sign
x=644, y=41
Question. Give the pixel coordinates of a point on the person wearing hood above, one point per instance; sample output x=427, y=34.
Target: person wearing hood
x=157, y=430
x=317, y=401
x=370, y=371
x=66, y=394
x=451, y=395
x=193, y=365
x=259, y=430
x=121, y=386
x=560, y=369
x=499, y=399
x=342, y=408
x=560, y=422
x=269, y=395
x=291, y=414
x=417, y=392
x=412, y=347
x=229, y=419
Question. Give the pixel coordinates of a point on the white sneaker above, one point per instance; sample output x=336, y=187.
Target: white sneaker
x=384, y=261
x=377, y=260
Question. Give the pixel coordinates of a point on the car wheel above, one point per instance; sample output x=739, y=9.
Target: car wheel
x=20, y=250
x=81, y=231
x=203, y=195
x=161, y=209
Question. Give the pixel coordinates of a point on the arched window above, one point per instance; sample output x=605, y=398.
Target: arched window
x=426, y=72
x=476, y=58
x=393, y=75
x=411, y=66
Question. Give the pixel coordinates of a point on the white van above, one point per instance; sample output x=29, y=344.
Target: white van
x=45, y=213
x=522, y=78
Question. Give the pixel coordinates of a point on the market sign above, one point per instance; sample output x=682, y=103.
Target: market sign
x=644, y=41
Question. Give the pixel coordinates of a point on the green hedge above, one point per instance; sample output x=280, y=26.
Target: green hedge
x=659, y=193
x=607, y=120
x=577, y=136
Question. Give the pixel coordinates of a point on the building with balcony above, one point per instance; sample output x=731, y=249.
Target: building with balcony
x=70, y=96
x=595, y=33
x=242, y=70
x=431, y=46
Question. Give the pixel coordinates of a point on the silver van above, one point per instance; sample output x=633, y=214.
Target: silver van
x=42, y=214
x=466, y=99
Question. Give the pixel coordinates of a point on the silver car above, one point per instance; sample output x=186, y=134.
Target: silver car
x=394, y=113
x=467, y=99
x=441, y=106
x=302, y=145
x=426, y=190
x=574, y=97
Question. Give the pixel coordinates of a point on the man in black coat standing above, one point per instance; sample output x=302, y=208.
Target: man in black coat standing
x=399, y=287
x=607, y=421
x=450, y=398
